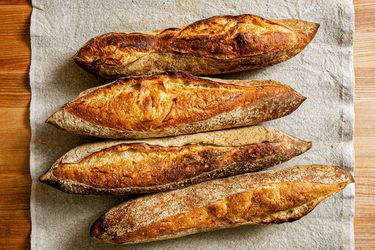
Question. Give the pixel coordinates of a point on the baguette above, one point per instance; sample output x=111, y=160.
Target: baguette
x=154, y=165
x=210, y=46
x=174, y=103
x=277, y=196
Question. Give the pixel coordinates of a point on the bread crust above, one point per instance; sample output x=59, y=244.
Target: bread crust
x=154, y=165
x=173, y=103
x=257, y=198
x=215, y=45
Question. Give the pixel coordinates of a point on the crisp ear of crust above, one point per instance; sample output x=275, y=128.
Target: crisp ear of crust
x=174, y=103
x=215, y=45
x=154, y=165
x=259, y=198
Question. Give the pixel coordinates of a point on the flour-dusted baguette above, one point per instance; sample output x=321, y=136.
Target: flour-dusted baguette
x=215, y=45
x=277, y=196
x=174, y=103
x=143, y=166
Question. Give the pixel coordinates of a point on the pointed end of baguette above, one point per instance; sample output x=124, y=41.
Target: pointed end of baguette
x=84, y=64
x=96, y=230
x=47, y=177
x=306, y=145
x=298, y=146
x=50, y=120
x=297, y=99
x=341, y=174
x=86, y=55
x=307, y=29
x=327, y=174
x=345, y=174
x=44, y=178
x=312, y=29
x=293, y=94
x=55, y=119
x=351, y=178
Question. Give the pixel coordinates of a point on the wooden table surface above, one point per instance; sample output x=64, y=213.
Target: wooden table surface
x=15, y=129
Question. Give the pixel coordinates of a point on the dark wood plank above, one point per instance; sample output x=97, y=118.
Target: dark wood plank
x=14, y=130
x=15, y=2
x=15, y=22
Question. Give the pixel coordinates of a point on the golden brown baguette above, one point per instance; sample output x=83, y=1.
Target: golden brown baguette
x=153, y=165
x=210, y=46
x=170, y=104
x=277, y=196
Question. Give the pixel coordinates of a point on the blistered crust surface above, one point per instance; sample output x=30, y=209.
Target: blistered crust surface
x=174, y=103
x=273, y=196
x=257, y=40
x=152, y=165
x=241, y=208
x=138, y=165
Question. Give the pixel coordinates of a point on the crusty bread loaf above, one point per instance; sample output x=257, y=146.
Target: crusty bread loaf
x=215, y=45
x=125, y=167
x=173, y=103
x=267, y=197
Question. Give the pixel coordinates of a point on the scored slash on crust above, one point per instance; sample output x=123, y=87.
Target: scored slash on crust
x=275, y=196
x=174, y=103
x=155, y=165
x=215, y=45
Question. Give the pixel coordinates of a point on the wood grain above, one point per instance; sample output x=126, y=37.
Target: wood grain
x=364, y=141
x=15, y=131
